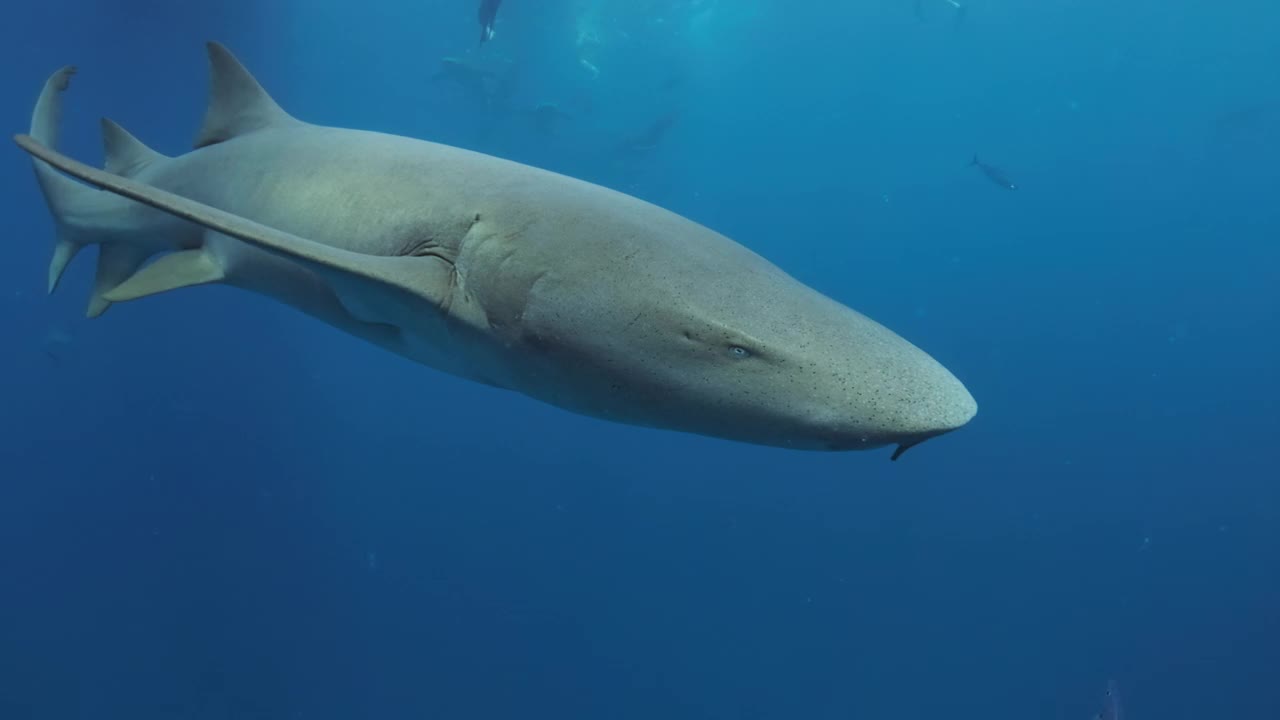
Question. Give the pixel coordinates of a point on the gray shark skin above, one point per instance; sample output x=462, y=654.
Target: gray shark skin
x=493, y=271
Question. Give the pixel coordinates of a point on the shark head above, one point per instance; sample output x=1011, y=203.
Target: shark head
x=655, y=320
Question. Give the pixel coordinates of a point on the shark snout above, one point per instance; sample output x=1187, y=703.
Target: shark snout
x=905, y=417
x=941, y=408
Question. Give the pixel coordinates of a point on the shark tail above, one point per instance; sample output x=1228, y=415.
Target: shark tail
x=63, y=196
x=127, y=232
x=83, y=215
x=975, y=160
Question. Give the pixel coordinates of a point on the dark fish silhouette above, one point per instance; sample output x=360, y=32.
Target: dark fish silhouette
x=993, y=174
x=548, y=116
x=652, y=135
x=491, y=88
x=488, y=15
x=1253, y=122
x=475, y=81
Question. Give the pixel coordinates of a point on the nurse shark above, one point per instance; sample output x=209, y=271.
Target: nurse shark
x=501, y=273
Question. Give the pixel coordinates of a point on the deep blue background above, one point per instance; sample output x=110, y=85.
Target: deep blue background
x=213, y=507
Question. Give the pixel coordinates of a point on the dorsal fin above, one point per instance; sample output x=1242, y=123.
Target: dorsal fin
x=126, y=154
x=237, y=103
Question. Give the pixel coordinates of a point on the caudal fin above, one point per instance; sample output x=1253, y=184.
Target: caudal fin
x=83, y=215
x=60, y=192
x=974, y=161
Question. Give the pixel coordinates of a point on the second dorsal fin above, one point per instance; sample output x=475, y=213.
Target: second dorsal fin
x=125, y=154
x=237, y=103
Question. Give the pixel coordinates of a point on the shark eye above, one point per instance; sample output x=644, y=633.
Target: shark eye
x=738, y=351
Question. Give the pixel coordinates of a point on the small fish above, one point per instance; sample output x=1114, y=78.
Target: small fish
x=1256, y=120
x=488, y=15
x=993, y=174
x=491, y=87
x=548, y=116
x=652, y=135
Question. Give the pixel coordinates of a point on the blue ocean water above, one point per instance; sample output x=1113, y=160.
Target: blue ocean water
x=212, y=506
